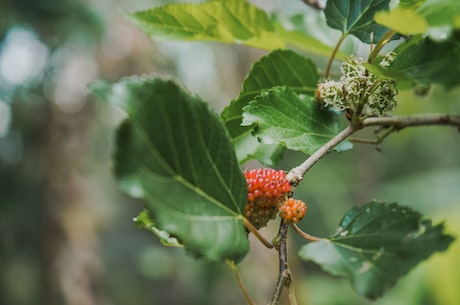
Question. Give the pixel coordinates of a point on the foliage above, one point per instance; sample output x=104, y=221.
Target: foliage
x=185, y=161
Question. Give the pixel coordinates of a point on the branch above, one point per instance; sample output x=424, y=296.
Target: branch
x=396, y=123
x=284, y=277
x=400, y=122
x=316, y=4
x=296, y=174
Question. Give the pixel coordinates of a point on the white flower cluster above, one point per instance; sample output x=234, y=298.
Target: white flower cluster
x=359, y=89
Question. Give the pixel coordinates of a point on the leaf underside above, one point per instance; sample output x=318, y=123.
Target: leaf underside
x=234, y=21
x=376, y=244
x=174, y=153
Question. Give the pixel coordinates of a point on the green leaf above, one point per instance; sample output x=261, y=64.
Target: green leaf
x=376, y=244
x=281, y=116
x=279, y=68
x=144, y=221
x=175, y=153
x=356, y=17
x=428, y=62
x=436, y=18
x=232, y=21
x=402, y=20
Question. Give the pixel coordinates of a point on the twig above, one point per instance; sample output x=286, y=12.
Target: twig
x=256, y=233
x=296, y=174
x=395, y=123
x=305, y=235
x=232, y=266
x=284, y=276
x=314, y=4
x=400, y=122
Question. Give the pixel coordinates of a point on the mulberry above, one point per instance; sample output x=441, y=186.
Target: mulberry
x=292, y=210
x=266, y=189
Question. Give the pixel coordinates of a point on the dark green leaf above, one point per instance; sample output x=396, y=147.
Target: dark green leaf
x=234, y=21
x=356, y=17
x=427, y=62
x=282, y=117
x=144, y=221
x=376, y=244
x=175, y=153
x=279, y=68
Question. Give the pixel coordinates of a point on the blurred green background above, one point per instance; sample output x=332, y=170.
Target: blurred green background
x=66, y=232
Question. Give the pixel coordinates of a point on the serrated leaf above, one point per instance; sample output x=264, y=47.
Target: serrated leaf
x=356, y=17
x=233, y=21
x=282, y=117
x=144, y=221
x=279, y=68
x=175, y=153
x=428, y=62
x=376, y=244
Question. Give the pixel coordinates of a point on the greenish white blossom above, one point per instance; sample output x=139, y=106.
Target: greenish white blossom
x=360, y=90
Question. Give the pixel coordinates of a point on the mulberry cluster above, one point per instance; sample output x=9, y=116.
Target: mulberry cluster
x=358, y=86
x=292, y=210
x=267, y=188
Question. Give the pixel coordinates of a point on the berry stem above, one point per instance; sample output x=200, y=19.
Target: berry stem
x=256, y=233
x=305, y=235
x=334, y=53
x=380, y=44
x=239, y=280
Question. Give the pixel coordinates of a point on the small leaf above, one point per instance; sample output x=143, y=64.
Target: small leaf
x=144, y=221
x=427, y=62
x=356, y=17
x=233, y=21
x=281, y=116
x=376, y=244
x=279, y=68
x=175, y=153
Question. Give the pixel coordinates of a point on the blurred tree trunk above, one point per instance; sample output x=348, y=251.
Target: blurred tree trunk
x=69, y=237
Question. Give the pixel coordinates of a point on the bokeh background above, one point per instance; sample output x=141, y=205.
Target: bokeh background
x=66, y=232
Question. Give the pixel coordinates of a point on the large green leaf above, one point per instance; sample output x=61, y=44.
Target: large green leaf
x=279, y=68
x=356, y=17
x=376, y=244
x=437, y=18
x=232, y=21
x=427, y=62
x=281, y=116
x=175, y=153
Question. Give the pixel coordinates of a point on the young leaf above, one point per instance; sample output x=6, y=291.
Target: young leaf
x=376, y=244
x=232, y=21
x=281, y=116
x=427, y=62
x=437, y=18
x=143, y=220
x=279, y=68
x=356, y=17
x=175, y=153
x=402, y=20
